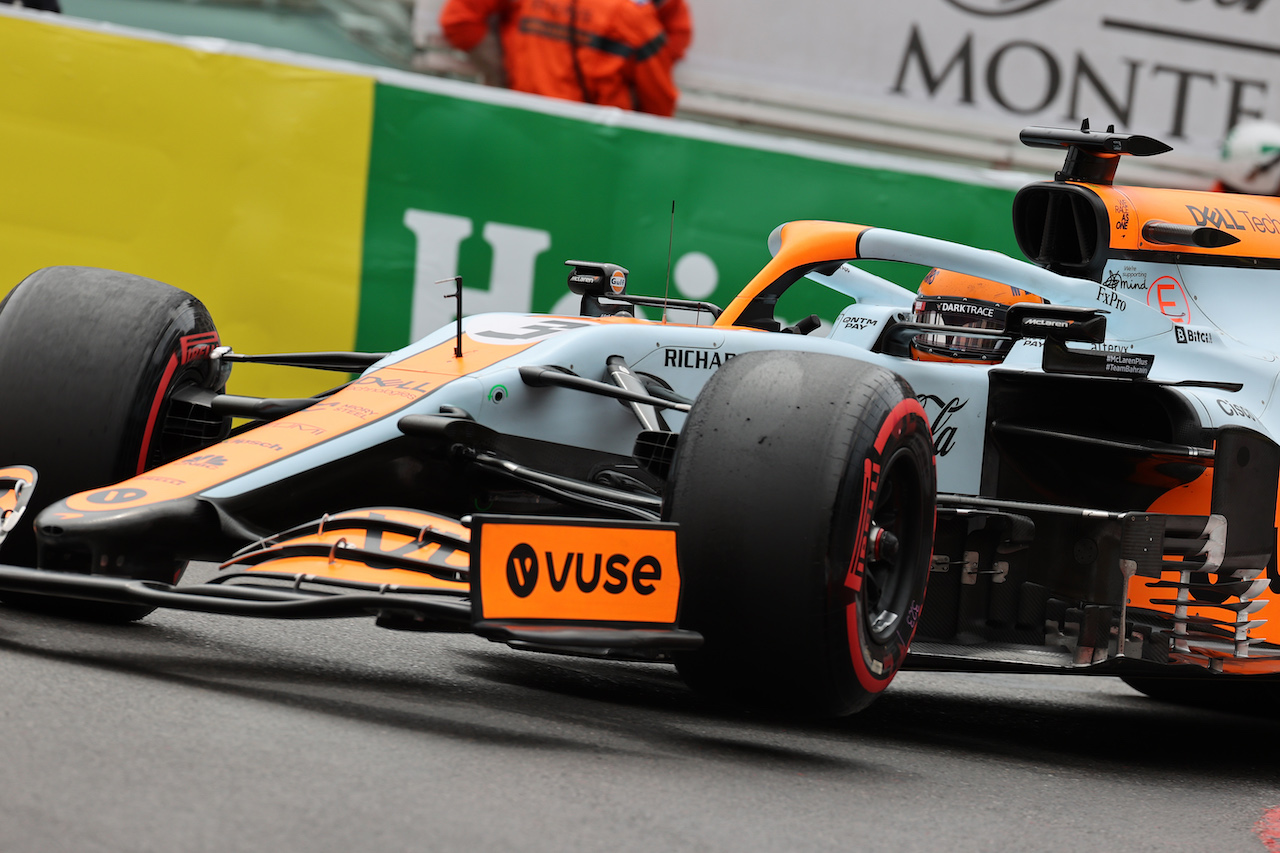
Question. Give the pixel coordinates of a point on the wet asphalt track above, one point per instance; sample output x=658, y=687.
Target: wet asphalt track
x=206, y=733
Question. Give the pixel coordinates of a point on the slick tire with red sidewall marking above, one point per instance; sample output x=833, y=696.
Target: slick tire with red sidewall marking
x=89, y=362
x=805, y=490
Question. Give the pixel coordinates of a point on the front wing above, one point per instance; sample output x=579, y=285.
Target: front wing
x=584, y=586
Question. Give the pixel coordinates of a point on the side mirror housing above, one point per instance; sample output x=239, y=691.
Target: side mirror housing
x=595, y=279
x=1056, y=322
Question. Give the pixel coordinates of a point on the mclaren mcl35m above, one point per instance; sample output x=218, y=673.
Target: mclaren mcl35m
x=1066, y=465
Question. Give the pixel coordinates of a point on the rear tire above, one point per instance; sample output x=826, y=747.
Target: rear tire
x=89, y=361
x=804, y=487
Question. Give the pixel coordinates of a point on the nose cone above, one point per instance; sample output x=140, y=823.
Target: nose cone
x=102, y=542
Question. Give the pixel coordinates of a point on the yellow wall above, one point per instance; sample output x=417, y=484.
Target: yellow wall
x=239, y=180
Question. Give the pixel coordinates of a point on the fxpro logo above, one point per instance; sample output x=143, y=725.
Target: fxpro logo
x=613, y=574
x=997, y=8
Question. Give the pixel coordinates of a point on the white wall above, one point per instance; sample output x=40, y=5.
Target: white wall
x=960, y=77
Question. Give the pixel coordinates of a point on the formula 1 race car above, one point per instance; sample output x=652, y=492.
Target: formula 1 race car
x=1076, y=455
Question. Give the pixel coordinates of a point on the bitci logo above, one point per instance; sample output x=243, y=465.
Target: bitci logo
x=1184, y=335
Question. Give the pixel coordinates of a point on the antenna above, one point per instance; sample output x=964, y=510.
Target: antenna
x=671, y=237
x=457, y=294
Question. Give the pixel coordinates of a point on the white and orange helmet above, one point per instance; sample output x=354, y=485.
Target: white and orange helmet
x=961, y=302
x=1251, y=158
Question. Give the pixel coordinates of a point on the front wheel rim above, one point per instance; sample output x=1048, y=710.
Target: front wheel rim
x=892, y=543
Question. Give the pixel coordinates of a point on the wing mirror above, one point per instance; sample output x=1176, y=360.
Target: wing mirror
x=1055, y=322
x=592, y=279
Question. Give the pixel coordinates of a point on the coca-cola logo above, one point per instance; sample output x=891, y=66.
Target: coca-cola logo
x=997, y=8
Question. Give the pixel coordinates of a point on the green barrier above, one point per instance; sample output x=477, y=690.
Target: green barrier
x=503, y=196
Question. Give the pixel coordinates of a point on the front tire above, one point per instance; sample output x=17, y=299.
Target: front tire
x=89, y=362
x=804, y=487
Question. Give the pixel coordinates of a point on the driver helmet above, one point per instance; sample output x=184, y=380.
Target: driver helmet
x=961, y=302
x=1251, y=159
